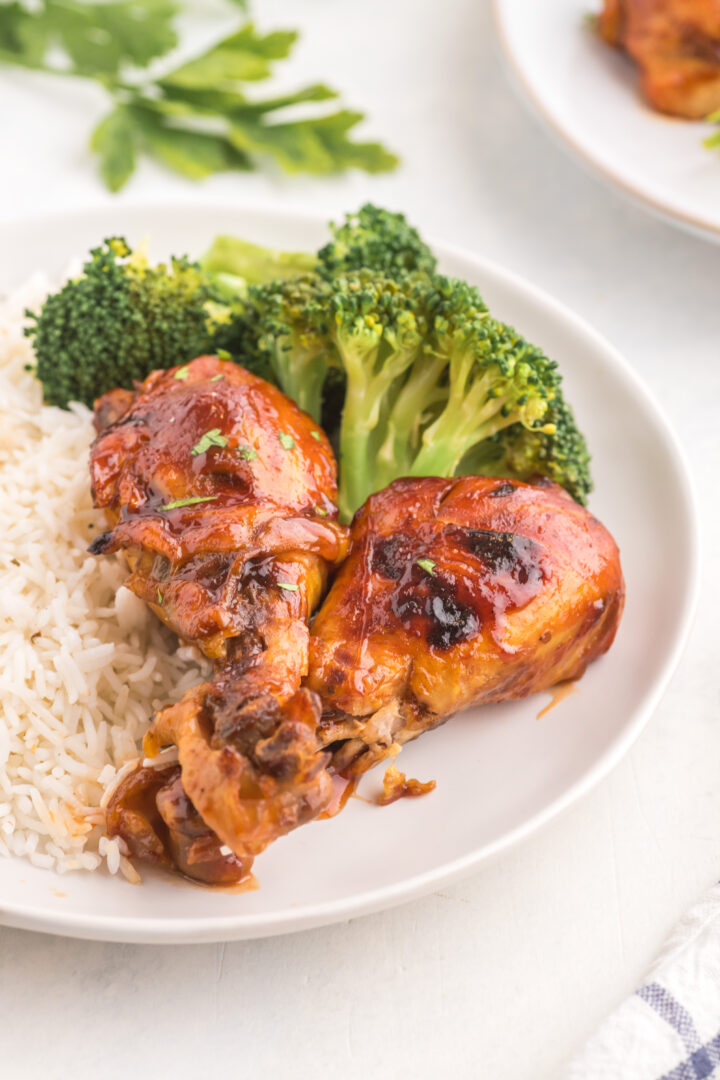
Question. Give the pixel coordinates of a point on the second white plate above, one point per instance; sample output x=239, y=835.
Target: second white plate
x=501, y=771
x=588, y=93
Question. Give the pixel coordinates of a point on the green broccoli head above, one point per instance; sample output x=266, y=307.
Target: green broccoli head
x=374, y=239
x=117, y=322
x=433, y=381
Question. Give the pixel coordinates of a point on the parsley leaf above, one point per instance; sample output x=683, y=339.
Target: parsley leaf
x=115, y=141
x=95, y=40
x=321, y=146
x=181, y=373
x=194, y=154
x=247, y=452
x=23, y=36
x=243, y=56
x=286, y=441
x=427, y=564
x=287, y=586
x=210, y=438
x=190, y=501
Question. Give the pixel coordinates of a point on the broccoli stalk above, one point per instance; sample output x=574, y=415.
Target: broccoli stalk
x=451, y=307
x=233, y=264
x=417, y=399
x=377, y=335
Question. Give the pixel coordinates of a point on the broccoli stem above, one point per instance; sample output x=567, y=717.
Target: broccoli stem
x=368, y=383
x=416, y=397
x=301, y=377
x=460, y=426
x=231, y=257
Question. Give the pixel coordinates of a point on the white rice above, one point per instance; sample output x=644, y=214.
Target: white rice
x=83, y=663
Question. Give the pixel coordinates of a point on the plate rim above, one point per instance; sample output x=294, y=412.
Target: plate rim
x=204, y=929
x=585, y=155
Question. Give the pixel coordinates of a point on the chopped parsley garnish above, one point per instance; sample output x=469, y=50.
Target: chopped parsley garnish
x=159, y=596
x=223, y=354
x=316, y=435
x=287, y=586
x=182, y=373
x=247, y=452
x=217, y=378
x=321, y=511
x=210, y=438
x=427, y=564
x=190, y=501
x=286, y=441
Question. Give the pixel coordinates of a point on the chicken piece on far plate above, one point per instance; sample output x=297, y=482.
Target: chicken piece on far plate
x=676, y=45
x=455, y=593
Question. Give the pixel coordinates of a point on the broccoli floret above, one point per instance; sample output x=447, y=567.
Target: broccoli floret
x=503, y=389
x=117, y=322
x=374, y=239
x=433, y=381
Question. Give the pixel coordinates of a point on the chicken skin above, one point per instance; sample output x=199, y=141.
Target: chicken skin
x=676, y=44
x=455, y=593
x=221, y=493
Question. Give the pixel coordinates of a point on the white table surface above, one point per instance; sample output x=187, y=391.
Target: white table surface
x=503, y=975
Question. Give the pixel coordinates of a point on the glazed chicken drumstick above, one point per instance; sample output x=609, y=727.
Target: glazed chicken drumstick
x=676, y=44
x=455, y=593
x=221, y=493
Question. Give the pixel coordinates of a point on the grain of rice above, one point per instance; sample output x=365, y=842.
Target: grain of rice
x=129, y=872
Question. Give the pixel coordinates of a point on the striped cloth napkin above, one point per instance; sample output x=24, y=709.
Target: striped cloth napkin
x=669, y=1029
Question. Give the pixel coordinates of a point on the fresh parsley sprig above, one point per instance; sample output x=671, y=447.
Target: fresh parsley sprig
x=195, y=118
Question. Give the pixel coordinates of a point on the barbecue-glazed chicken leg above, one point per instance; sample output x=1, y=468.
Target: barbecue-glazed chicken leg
x=676, y=44
x=221, y=493
x=455, y=593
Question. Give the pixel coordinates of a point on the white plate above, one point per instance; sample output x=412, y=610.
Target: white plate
x=500, y=772
x=588, y=93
